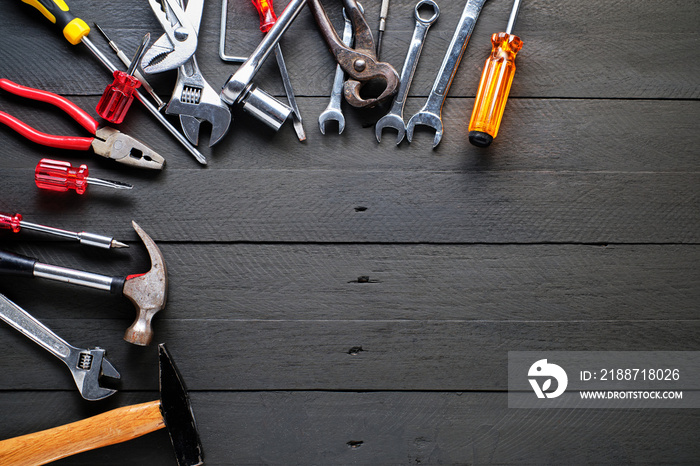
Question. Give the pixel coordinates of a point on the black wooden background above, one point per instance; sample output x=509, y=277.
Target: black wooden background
x=577, y=229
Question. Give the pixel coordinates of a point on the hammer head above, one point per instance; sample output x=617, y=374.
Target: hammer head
x=177, y=412
x=148, y=292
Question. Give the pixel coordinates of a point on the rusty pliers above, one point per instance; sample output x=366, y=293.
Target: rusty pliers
x=360, y=62
x=108, y=142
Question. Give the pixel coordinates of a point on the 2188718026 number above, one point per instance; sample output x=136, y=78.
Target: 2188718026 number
x=640, y=374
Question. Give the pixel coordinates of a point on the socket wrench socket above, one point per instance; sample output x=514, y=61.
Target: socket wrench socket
x=264, y=107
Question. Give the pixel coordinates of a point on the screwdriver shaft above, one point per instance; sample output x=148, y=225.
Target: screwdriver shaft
x=296, y=115
x=513, y=16
x=127, y=62
x=108, y=183
x=149, y=106
x=85, y=238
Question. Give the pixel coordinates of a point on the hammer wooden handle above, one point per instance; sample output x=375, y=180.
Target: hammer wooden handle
x=116, y=426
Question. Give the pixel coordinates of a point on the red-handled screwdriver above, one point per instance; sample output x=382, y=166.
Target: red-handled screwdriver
x=117, y=97
x=58, y=175
x=267, y=20
x=15, y=223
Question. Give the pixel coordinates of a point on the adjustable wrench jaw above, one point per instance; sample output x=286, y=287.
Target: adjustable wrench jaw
x=115, y=145
x=194, y=100
x=88, y=366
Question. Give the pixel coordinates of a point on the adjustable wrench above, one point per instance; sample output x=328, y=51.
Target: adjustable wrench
x=394, y=119
x=333, y=112
x=431, y=113
x=86, y=365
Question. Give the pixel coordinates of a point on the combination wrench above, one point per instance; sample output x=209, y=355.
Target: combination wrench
x=431, y=113
x=394, y=119
x=86, y=365
x=333, y=112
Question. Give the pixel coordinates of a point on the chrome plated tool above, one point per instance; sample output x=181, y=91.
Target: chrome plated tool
x=222, y=37
x=267, y=20
x=178, y=44
x=75, y=30
x=87, y=366
x=240, y=89
x=394, y=119
x=333, y=112
x=193, y=99
x=147, y=291
x=172, y=411
x=431, y=113
x=16, y=222
x=383, y=13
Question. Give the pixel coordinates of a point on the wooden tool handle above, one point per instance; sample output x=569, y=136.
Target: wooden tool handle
x=116, y=426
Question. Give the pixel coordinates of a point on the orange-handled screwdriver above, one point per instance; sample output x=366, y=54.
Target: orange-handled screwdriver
x=58, y=175
x=494, y=86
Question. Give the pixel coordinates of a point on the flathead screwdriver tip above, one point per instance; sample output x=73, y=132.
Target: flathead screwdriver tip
x=118, y=244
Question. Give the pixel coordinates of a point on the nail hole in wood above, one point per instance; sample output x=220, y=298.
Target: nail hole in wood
x=364, y=279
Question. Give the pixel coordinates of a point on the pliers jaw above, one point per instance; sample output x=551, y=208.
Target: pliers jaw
x=177, y=45
x=115, y=145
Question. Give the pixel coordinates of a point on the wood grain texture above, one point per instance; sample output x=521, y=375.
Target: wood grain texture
x=629, y=50
x=551, y=135
x=307, y=282
x=243, y=354
x=384, y=206
x=116, y=426
x=341, y=301
x=388, y=428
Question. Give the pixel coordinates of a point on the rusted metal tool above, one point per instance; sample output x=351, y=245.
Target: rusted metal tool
x=360, y=62
x=87, y=366
x=172, y=411
x=147, y=291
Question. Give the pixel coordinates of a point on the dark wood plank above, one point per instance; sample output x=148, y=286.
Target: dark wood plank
x=237, y=353
x=393, y=428
x=308, y=282
x=595, y=49
x=546, y=135
x=380, y=206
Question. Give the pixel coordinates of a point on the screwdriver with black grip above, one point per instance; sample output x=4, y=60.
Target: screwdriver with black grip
x=495, y=84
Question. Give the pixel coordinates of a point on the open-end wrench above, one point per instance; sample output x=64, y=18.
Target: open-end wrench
x=431, y=113
x=86, y=365
x=394, y=119
x=333, y=112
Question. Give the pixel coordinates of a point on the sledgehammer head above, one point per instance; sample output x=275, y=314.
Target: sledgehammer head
x=148, y=292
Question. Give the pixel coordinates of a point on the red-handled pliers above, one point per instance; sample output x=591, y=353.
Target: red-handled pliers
x=108, y=142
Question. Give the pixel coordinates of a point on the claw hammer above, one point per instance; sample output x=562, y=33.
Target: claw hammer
x=147, y=291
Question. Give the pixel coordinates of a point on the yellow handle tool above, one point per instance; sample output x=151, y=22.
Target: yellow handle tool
x=494, y=86
x=56, y=11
